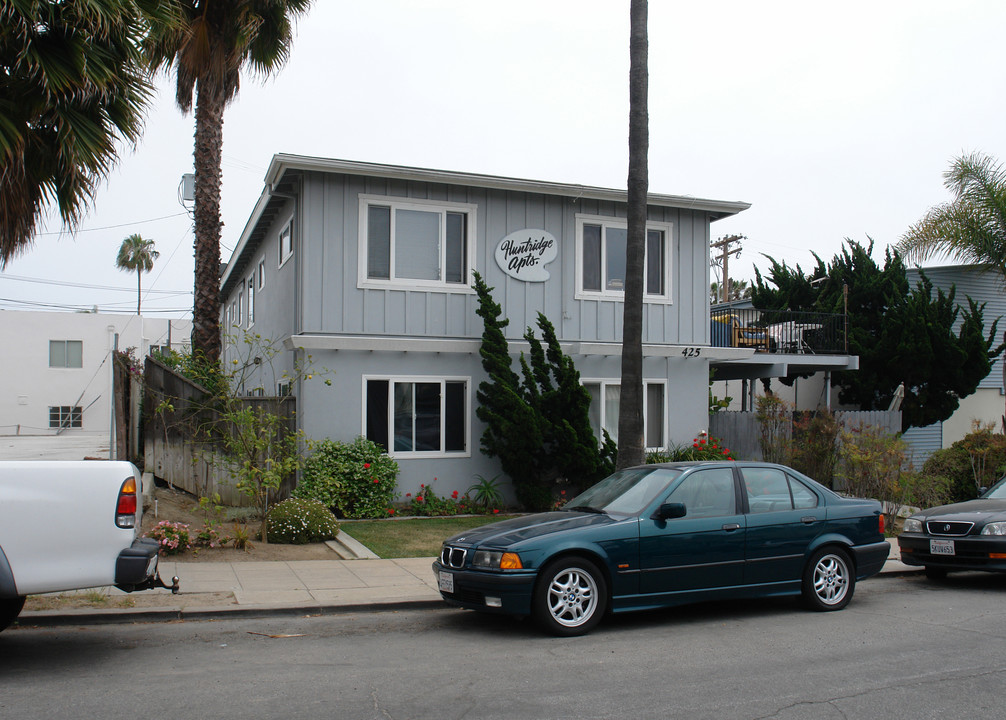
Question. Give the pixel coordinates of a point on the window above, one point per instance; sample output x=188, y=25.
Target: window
x=285, y=243
x=416, y=243
x=706, y=493
x=261, y=273
x=418, y=415
x=600, y=264
x=605, y=398
x=65, y=416
x=239, y=310
x=284, y=388
x=251, y=300
x=769, y=490
x=66, y=353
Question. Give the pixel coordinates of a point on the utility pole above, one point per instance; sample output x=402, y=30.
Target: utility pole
x=723, y=245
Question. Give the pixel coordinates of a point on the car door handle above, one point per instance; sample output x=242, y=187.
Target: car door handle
x=808, y=519
x=730, y=527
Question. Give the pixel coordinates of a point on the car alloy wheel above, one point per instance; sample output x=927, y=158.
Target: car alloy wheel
x=571, y=596
x=828, y=580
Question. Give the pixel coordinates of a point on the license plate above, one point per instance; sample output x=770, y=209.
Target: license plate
x=940, y=547
x=446, y=582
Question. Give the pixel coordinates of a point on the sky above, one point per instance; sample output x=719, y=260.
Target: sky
x=833, y=120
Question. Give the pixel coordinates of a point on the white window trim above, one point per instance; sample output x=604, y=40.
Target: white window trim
x=442, y=379
x=615, y=222
x=399, y=203
x=287, y=229
x=617, y=381
x=260, y=280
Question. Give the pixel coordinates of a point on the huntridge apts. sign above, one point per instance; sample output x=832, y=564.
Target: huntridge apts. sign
x=523, y=254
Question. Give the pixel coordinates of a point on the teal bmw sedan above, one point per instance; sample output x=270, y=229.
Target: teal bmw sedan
x=660, y=535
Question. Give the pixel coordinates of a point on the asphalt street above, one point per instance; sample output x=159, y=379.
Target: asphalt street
x=905, y=647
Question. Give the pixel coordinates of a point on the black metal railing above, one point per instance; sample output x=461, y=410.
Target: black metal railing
x=778, y=331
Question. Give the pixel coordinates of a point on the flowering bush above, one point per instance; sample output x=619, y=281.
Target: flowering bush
x=173, y=537
x=297, y=521
x=703, y=447
x=354, y=480
x=427, y=503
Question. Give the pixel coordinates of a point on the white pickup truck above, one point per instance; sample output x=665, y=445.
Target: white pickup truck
x=69, y=525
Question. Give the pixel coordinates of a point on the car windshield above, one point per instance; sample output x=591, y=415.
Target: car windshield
x=627, y=492
x=997, y=491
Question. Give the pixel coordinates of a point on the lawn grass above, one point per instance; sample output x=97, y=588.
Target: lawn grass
x=421, y=537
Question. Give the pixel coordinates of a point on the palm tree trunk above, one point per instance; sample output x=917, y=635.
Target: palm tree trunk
x=630, y=417
x=139, y=275
x=207, y=156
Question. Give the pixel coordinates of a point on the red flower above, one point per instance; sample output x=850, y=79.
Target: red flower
x=366, y=466
x=496, y=511
x=376, y=481
x=419, y=498
x=562, y=492
x=391, y=511
x=454, y=494
x=408, y=494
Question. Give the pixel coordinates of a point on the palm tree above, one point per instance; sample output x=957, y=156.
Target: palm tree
x=630, y=415
x=208, y=46
x=74, y=85
x=971, y=228
x=136, y=255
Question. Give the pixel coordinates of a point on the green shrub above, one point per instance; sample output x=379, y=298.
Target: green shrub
x=925, y=491
x=297, y=521
x=354, y=480
x=974, y=462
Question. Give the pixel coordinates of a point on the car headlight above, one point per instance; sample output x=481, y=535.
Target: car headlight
x=912, y=525
x=496, y=560
x=996, y=528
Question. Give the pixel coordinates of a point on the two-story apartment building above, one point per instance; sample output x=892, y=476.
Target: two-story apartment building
x=367, y=270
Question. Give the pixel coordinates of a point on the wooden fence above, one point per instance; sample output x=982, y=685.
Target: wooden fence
x=172, y=451
x=741, y=432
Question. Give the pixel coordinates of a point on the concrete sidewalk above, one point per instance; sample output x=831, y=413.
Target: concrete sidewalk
x=310, y=587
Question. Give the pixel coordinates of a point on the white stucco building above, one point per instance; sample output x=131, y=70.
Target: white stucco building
x=57, y=376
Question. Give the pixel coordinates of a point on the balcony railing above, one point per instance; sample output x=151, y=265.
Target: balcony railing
x=778, y=331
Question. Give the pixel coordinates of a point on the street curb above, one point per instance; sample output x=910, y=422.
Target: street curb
x=55, y=618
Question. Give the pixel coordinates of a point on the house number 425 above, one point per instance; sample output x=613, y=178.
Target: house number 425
x=691, y=352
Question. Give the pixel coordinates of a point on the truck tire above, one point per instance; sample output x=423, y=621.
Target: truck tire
x=10, y=608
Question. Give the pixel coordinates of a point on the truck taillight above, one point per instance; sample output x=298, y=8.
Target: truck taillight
x=882, y=524
x=125, y=506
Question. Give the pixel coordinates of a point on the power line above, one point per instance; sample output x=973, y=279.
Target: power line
x=66, y=283
x=112, y=227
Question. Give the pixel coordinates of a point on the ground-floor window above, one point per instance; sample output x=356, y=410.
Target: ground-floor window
x=605, y=396
x=65, y=416
x=417, y=415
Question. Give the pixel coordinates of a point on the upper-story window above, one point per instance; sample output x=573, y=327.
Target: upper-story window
x=285, y=243
x=414, y=243
x=251, y=300
x=261, y=274
x=66, y=353
x=600, y=259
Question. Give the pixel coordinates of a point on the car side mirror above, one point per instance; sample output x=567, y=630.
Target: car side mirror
x=669, y=511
